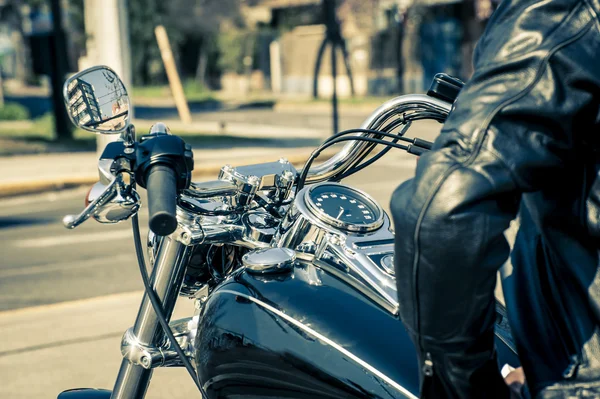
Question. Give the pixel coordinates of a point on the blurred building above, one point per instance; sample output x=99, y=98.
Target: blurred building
x=83, y=102
x=388, y=41
x=13, y=51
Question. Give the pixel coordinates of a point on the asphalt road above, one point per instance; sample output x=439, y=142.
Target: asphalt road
x=43, y=263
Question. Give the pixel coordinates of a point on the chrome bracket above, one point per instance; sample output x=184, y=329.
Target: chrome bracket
x=150, y=357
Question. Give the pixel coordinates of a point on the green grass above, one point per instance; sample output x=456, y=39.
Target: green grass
x=37, y=136
x=34, y=137
x=13, y=112
x=194, y=92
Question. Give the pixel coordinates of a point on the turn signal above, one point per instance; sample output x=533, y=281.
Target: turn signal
x=87, y=197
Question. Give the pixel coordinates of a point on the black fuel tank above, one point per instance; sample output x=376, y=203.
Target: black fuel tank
x=305, y=334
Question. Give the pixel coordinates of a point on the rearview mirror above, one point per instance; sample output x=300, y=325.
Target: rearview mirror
x=96, y=100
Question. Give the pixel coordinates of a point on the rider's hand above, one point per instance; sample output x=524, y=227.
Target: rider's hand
x=515, y=381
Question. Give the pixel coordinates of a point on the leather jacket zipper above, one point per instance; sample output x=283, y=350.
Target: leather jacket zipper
x=571, y=369
x=428, y=365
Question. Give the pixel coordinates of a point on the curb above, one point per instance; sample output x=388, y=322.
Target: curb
x=35, y=186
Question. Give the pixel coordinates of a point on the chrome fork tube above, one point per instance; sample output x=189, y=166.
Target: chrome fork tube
x=166, y=279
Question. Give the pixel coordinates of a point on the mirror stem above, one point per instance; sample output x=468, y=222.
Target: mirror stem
x=128, y=136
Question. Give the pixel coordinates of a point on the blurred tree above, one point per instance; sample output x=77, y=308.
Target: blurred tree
x=193, y=27
x=212, y=36
x=207, y=36
x=144, y=16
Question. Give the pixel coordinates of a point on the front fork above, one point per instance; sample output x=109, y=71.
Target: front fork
x=143, y=342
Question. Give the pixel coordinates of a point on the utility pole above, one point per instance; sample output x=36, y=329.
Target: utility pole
x=58, y=71
x=333, y=36
x=172, y=74
x=1, y=85
x=400, y=18
x=108, y=44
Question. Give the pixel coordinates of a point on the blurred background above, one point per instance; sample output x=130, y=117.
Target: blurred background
x=269, y=53
x=242, y=81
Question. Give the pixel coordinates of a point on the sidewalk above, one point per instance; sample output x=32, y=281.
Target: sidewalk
x=77, y=344
x=300, y=123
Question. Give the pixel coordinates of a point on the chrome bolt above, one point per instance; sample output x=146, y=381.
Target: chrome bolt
x=253, y=180
x=145, y=360
x=185, y=238
x=287, y=176
x=334, y=239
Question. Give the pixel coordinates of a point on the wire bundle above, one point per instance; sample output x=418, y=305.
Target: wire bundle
x=416, y=146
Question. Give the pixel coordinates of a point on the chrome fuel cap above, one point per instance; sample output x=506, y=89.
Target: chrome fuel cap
x=269, y=260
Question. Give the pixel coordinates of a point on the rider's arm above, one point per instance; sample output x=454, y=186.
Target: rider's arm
x=510, y=133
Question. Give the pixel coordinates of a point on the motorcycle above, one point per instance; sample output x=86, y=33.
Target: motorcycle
x=291, y=271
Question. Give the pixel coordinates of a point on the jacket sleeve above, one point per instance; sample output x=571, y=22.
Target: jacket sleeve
x=510, y=132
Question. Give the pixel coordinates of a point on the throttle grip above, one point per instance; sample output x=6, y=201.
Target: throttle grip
x=161, y=186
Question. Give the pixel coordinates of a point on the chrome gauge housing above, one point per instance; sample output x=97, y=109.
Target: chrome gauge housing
x=344, y=207
x=348, y=234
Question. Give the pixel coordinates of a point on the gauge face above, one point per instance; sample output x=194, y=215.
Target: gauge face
x=344, y=207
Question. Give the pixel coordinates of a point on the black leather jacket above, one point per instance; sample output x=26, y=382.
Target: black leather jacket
x=523, y=139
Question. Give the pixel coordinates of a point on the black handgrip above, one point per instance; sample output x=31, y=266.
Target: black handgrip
x=161, y=185
x=416, y=150
x=423, y=143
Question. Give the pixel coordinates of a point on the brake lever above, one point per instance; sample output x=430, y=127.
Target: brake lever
x=72, y=221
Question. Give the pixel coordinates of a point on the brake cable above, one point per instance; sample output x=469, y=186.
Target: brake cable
x=157, y=305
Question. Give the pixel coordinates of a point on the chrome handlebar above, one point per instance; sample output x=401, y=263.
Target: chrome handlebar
x=353, y=150
x=117, y=201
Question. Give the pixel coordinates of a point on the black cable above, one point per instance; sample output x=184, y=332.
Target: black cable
x=157, y=306
x=329, y=143
x=219, y=212
x=371, y=131
x=357, y=167
x=335, y=139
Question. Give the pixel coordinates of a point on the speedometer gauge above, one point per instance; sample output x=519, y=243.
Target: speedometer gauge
x=344, y=207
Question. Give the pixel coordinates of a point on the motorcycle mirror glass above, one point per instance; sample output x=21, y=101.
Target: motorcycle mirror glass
x=97, y=101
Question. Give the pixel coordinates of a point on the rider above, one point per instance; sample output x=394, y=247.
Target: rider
x=522, y=140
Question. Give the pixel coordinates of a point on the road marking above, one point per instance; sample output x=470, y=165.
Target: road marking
x=68, y=239
x=78, y=340
x=69, y=305
x=54, y=267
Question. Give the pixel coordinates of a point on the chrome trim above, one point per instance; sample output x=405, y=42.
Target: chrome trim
x=104, y=170
x=260, y=228
x=166, y=279
x=110, y=204
x=151, y=356
x=266, y=176
x=317, y=241
x=269, y=260
x=124, y=204
x=355, y=283
x=324, y=339
x=355, y=228
x=353, y=150
x=124, y=131
x=211, y=189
